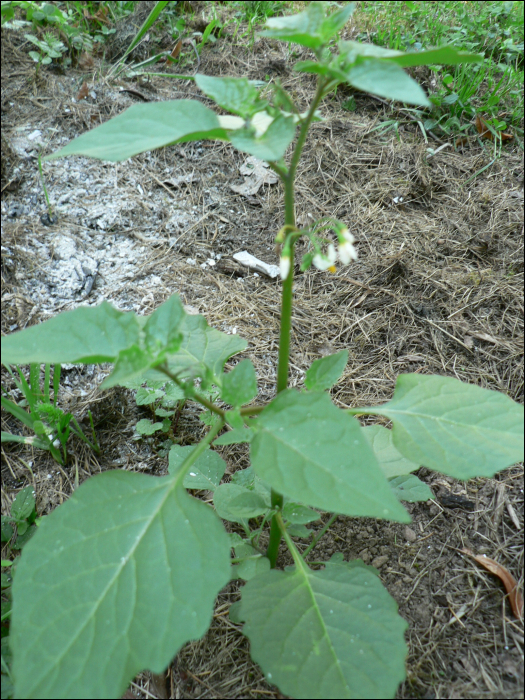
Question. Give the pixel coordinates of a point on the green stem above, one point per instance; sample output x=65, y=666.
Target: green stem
x=287, y=298
x=195, y=396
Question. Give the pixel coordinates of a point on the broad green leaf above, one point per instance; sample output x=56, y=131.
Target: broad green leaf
x=238, y=504
x=251, y=567
x=409, y=488
x=86, y=334
x=299, y=531
x=350, y=51
x=145, y=127
x=235, y=437
x=445, y=55
x=298, y=514
x=147, y=396
x=240, y=385
x=115, y=580
x=24, y=503
x=249, y=480
x=334, y=22
x=161, y=335
x=147, y=427
x=333, y=633
x=459, y=429
x=162, y=329
x=253, y=564
x=386, y=79
x=202, y=347
x=173, y=395
x=205, y=473
x=309, y=28
x=7, y=532
x=326, y=371
x=130, y=364
x=308, y=450
x=270, y=146
x=235, y=95
x=390, y=460
x=24, y=537
x=312, y=67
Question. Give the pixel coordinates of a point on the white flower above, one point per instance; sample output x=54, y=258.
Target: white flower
x=347, y=251
x=326, y=262
x=284, y=266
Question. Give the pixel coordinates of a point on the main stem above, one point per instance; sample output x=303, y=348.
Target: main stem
x=287, y=300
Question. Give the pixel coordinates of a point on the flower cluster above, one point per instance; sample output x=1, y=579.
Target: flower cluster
x=346, y=252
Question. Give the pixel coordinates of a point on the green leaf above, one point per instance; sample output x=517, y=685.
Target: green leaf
x=271, y=145
x=162, y=329
x=352, y=51
x=455, y=428
x=251, y=567
x=145, y=127
x=7, y=530
x=115, y=580
x=299, y=531
x=205, y=473
x=161, y=335
x=147, y=427
x=146, y=396
x=238, y=504
x=24, y=535
x=444, y=55
x=202, y=347
x=299, y=515
x=409, y=488
x=386, y=79
x=309, y=28
x=24, y=503
x=253, y=564
x=235, y=95
x=305, y=448
x=325, y=372
x=240, y=385
x=130, y=364
x=390, y=459
x=235, y=437
x=311, y=67
x=333, y=633
x=86, y=334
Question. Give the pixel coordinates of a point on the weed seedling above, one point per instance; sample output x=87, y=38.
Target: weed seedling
x=50, y=424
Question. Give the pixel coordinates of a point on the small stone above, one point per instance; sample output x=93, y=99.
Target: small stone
x=379, y=561
x=410, y=535
x=364, y=555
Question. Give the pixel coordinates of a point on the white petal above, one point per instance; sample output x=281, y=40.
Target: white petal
x=347, y=252
x=284, y=267
x=349, y=238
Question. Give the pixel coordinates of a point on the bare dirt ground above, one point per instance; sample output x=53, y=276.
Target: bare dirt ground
x=437, y=289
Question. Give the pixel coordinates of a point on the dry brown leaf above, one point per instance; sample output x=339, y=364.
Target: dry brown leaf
x=85, y=62
x=485, y=133
x=508, y=580
x=176, y=50
x=83, y=92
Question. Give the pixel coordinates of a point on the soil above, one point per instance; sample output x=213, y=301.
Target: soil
x=437, y=289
